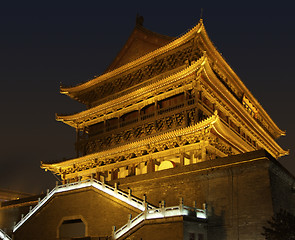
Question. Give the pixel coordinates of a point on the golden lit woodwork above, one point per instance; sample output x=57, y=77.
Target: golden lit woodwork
x=172, y=105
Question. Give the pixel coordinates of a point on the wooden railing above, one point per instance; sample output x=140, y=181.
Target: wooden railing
x=142, y=118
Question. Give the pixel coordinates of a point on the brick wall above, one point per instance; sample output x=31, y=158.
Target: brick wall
x=98, y=211
x=237, y=190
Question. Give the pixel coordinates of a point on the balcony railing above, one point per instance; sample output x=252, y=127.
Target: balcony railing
x=142, y=118
x=125, y=123
x=170, y=109
x=146, y=116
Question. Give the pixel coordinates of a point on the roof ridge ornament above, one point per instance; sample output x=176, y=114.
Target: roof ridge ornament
x=139, y=20
x=201, y=15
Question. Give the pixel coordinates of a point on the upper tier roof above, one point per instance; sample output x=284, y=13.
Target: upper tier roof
x=140, y=42
x=196, y=38
x=131, y=62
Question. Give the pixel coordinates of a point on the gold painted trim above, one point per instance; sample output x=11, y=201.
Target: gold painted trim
x=142, y=92
x=170, y=46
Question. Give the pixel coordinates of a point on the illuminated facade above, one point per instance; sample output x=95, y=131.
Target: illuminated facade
x=170, y=122
x=176, y=105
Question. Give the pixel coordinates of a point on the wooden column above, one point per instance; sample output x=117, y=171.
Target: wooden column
x=104, y=126
x=156, y=107
x=181, y=159
x=191, y=160
x=118, y=123
x=203, y=150
x=77, y=141
x=151, y=166
x=98, y=176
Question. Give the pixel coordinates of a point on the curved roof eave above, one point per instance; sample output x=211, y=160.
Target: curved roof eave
x=177, y=42
x=69, y=119
x=200, y=29
x=133, y=145
x=275, y=150
x=238, y=82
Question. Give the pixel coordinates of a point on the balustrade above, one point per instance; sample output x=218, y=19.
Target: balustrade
x=135, y=122
x=113, y=191
x=160, y=212
x=137, y=127
x=170, y=109
x=3, y=235
x=125, y=123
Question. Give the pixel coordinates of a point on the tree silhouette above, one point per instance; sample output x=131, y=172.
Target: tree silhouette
x=282, y=227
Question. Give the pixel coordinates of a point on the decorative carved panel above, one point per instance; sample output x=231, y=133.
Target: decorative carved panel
x=155, y=68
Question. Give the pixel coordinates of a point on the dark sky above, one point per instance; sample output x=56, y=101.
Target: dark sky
x=47, y=42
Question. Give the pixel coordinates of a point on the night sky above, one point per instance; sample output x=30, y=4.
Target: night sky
x=45, y=43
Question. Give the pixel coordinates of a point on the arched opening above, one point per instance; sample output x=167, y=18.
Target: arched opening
x=72, y=228
x=166, y=165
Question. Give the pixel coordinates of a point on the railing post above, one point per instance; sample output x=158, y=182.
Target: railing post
x=180, y=205
x=144, y=198
x=39, y=199
x=205, y=208
x=102, y=182
x=113, y=232
x=116, y=188
x=22, y=216
x=129, y=194
x=129, y=220
x=195, y=208
x=47, y=191
x=163, y=204
x=163, y=207
x=145, y=211
x=56, y=184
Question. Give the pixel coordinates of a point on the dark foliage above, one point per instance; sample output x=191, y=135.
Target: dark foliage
x=281, y=227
